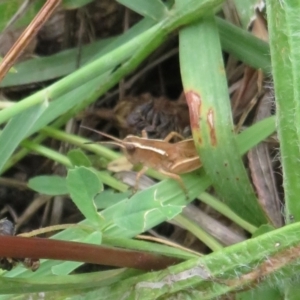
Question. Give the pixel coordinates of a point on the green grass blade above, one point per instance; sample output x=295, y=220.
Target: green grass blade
x=50, y=67
x=17, y=129
x=249, y=49
x=206, y=91
x=80, y=77
x=64, y=62
x=285, y=54
x=154, y=9
x=200, y=233
x=61, y=283
x=142, y=245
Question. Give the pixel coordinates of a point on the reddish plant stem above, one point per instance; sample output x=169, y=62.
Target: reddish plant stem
x=26, y=37
x=37, y=248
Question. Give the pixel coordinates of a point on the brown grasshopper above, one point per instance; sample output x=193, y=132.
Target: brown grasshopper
x=170, y=159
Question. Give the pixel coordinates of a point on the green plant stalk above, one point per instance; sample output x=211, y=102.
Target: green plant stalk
x=201, y=234
x=80, y=142
x=104, y=176
x=283, y=23
x=226, y=211
x=206, y=92
x=47, y=152
x=270, y=257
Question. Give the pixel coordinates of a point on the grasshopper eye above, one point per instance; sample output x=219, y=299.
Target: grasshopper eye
x=130, y=147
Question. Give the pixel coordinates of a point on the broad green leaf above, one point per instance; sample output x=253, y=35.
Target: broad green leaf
x=110, y=197
x=78, y=158
x=49, y=185
x=83, y=185
x=144, y=210
x=16, y=130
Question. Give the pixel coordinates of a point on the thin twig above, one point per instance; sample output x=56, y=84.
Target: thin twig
x=27, y=36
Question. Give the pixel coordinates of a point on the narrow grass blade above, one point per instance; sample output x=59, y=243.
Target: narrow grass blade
x=154, y=9
x=285, y=54
x=140, y=244
x=249, y=49
x=16, y=130
x=206, y=91
x=60, y=283
x=50, y=67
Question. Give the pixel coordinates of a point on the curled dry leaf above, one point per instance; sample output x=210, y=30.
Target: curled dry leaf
x=262, y=173
x=157, y=116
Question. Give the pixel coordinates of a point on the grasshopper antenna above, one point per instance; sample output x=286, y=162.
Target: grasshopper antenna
x=115, y=141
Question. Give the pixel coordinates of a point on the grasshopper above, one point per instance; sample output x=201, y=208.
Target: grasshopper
x=170, y=159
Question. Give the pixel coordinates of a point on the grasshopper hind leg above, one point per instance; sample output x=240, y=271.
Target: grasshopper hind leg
x=178, y=179
x=137, y=178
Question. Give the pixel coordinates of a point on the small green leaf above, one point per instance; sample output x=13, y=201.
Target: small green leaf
x=109, y=197
x=83, y=185
x=49, y=185
x=78, y=158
